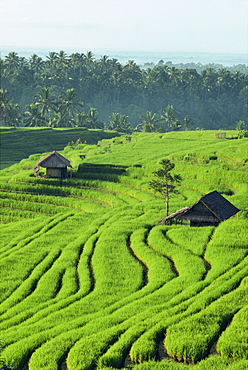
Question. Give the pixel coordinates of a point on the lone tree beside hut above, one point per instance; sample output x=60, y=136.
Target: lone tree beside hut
x=164, y=182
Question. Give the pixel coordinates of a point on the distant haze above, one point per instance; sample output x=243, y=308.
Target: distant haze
x=216, y=26
x=141, y=57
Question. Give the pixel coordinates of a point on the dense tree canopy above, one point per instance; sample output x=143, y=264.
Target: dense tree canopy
x=158, y=98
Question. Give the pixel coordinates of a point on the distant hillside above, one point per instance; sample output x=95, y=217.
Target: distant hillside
x=19, y=143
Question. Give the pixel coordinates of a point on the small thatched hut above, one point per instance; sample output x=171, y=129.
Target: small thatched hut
x=55, y=164
x=210, y=210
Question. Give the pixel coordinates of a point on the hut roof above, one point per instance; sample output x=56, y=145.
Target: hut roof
x=54, y=160
x=219, y=206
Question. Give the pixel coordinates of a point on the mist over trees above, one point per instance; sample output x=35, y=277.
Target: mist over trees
x=78, y=90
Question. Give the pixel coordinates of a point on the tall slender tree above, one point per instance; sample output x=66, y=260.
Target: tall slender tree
x=149, y=123
x=167, y=118
x=188, y=122
x=92, y=119
x=9, y=112
x=12, y=61
x=69, y=104
x=165, y=182
x=32, y=116
x=36, y=63
x=119, y=123
x=81, y=119
x=45, y=103
x=52, y=58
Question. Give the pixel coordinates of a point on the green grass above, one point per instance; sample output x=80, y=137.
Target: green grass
x=18, y=143
x=88, y=276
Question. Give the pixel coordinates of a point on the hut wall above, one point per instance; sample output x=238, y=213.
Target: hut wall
x=54, y=172
x=63, y=173
x=200, y=215
x=203, y=223
x=200, y=211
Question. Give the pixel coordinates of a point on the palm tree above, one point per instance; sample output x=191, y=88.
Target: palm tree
x=124, y=125
x=240, y=125
x=92, y=119
x=76, y=61
x=176, y=125
x=114, y=123
x=119, y=123
x=36, y=63
x=45, y=104
x=188, y=121
x=89, y=60
x=62, y=59
x=114, y=65
x=104, y=60
x=9, y=113
x=12, y=62
x=5, y=103
x=14, y=115
x=52, y=57
x=205, y=87
x=69, y=104
x=33, y=116
x=168, y=119
x=81, y=119
x=150, y=121
x=59, y=119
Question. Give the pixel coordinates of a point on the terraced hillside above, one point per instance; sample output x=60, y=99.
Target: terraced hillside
x=91, y=280
x=19, y=143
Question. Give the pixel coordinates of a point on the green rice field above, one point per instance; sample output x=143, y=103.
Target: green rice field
x=89, y=277
x=19, y=143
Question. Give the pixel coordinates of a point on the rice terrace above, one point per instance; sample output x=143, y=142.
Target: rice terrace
x=89, y=276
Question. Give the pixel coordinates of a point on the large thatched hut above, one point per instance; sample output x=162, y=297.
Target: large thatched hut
x=209, y=210
x=55, y=164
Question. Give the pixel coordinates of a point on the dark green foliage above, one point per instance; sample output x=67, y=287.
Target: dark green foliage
x=180, y=98
x=165, y=182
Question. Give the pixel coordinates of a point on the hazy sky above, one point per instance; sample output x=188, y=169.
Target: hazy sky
x=140, y=25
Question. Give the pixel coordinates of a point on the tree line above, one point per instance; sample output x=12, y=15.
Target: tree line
x=78, y=90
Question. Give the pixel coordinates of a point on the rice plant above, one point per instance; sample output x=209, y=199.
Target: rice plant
x=90, y=279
